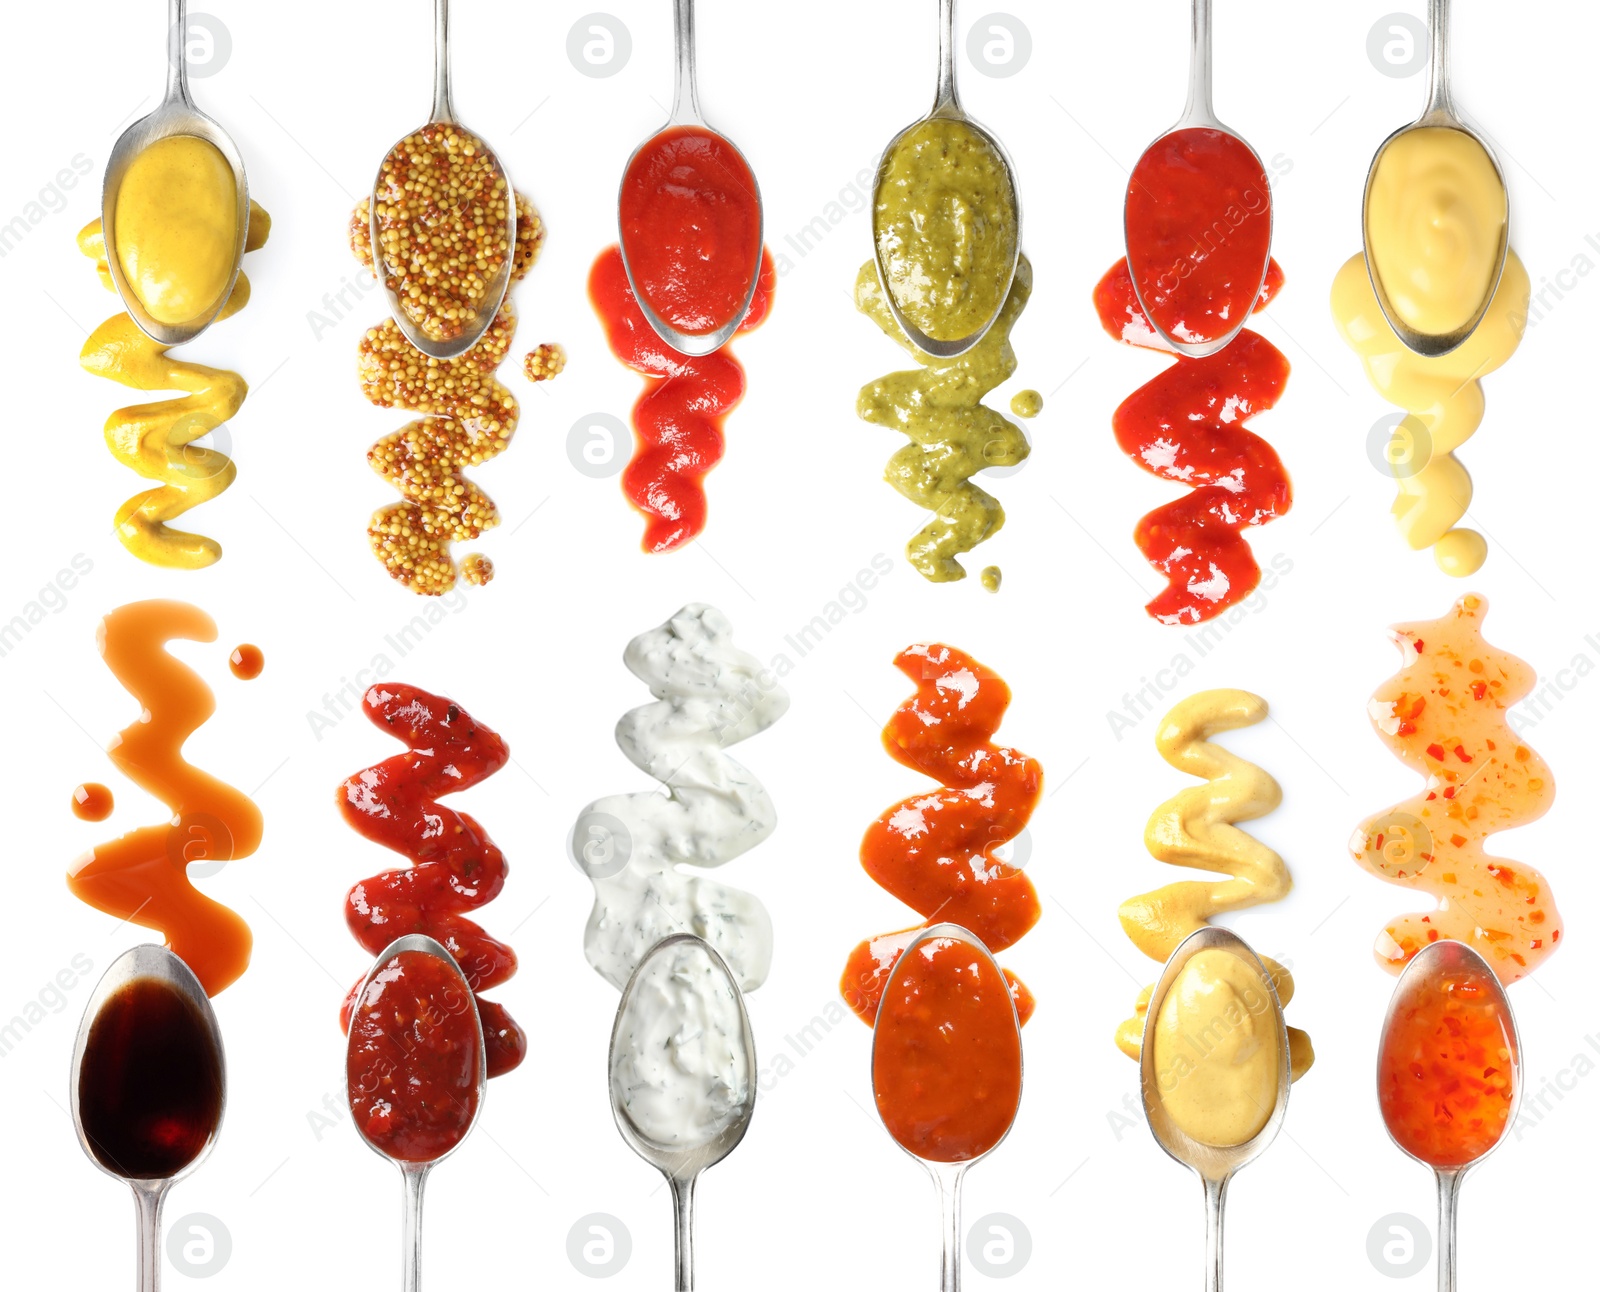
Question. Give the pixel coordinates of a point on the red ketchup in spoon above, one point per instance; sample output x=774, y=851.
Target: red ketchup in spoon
x=1199, y=229
x=413, y=1059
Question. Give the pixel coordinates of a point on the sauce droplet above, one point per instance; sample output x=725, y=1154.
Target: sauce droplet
x=246, y=662
x=92, y=801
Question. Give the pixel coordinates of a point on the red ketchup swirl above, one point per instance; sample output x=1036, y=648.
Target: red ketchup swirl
x=677, y=422
x=413, y=1061
x=935, y=851
x=455, y=866
x=1187, y=426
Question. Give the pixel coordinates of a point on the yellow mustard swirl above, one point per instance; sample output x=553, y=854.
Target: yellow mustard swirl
x=954, y=434
x=1195, y=828
x=157, y=439
x=1444, y=402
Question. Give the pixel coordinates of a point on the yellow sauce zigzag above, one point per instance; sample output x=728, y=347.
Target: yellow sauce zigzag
x=157, y=440
x=1195, y=828
x=954, y=434
x=1445, y=403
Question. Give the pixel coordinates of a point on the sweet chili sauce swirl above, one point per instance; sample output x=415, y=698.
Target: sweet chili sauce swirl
x=143, y=876
x=1445, y=715
x=1187, y=426
x=455, y=867
x=468, y=418
x=677, y=421
x=157, y=440
x=935, y=850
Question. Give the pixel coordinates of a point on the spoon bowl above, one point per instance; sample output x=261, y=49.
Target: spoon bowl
x=686, y=113
x=947, y=1176
x=1458, y=962
x=444, y=114
x=947, y=107
x=415, y=1174
x=1198, y=114
x=1440, y=113
x=177, y=115
x=1216, y=1165
x=147, y=963
x=682, y=1164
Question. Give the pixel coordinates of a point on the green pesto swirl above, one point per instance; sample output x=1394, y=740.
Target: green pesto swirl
x=939, y=407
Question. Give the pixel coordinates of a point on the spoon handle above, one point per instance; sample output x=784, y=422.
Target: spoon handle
x=1449, y=1193
x=178, y=52
x=443, y=107
x=1439, y=58
x=415, y=1177
x=148, y=1195
x=1199, y=107
x=1216, y=1196
x=948, y=1182
x=686, y=92
x=946, y=97
x=683, y=1216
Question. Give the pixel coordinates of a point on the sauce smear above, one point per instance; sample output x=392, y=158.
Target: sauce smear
x=1187, y=426
x=935, y=851
x=150, y=1093
x=677, y=421
x=947, y=1055
x=455, y=866
x=690, y=219
x=1199, y=231
x=413, y=1059
x=1445, y=1079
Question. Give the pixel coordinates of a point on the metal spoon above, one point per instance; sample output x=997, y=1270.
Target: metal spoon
x=1454, y=959
x=444, y=113
x=1216, y=1166
x=686, y=112
x=1198, y=114
x=415, y=1174
x=947, y=1176
x=947, y=107
x=177, y=115
x=147, y=961
x=1440, y=112
x=682, y=1164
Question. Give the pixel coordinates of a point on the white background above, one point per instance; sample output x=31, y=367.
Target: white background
x=817, y=1192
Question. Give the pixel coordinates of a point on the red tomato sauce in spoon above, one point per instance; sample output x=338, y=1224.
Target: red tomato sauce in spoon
x=413, y=1059
x=1199, y=229
x=690, y=218
x=947, y=1054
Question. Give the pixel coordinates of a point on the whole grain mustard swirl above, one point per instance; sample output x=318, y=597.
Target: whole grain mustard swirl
x=954, y=435
x=1196, y=828
x=157, y=439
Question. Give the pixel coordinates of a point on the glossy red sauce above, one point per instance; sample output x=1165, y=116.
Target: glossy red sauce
x=412, y=1067
x=1199, y=229
x=935, y=850
x=1188, y=426
x=690, y=218
x=677, y=422
x=946, y=1054
x=455, y=866
x=150, y=1089
x=92, y=801
x=246, y=662
x=1445, y=1080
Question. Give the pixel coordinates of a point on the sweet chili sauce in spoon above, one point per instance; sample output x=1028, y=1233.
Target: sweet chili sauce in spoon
x=1449, y=1072
x=1197, y=220
x=947, y=1065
